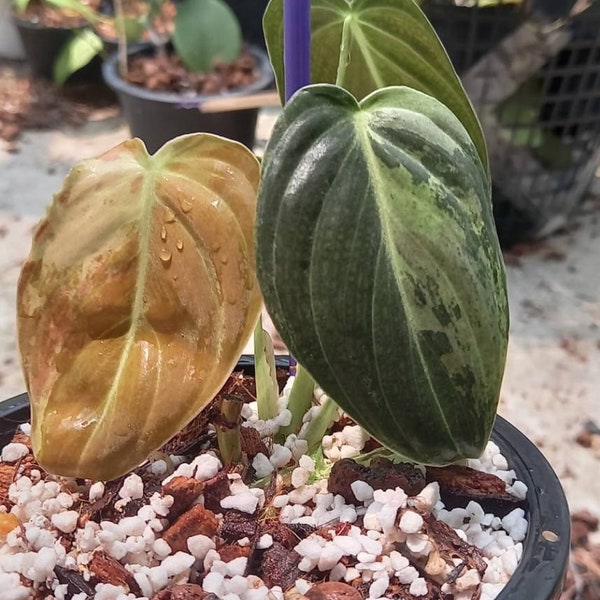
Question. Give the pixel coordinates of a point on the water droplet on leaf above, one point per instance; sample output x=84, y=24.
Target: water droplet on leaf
x=186, y=205
x=179, y=245
x=169, y=215
x=163, y=233
x=165, y=256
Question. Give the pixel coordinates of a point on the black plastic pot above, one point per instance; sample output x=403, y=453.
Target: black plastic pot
x=542, y=569
x=156, y=117
x=42, y=45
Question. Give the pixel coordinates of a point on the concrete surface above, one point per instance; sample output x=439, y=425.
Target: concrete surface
x=552, y=382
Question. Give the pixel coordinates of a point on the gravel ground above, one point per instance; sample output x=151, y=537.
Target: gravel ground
x=551, y=388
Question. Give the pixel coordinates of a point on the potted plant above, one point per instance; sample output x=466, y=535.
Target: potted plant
x=373, y=222
x=57, y=38
x=169, y=90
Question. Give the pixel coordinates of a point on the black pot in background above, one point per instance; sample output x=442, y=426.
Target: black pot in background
x=156, y=117
x=543, y=566
x=42, y=45
x=250, y=14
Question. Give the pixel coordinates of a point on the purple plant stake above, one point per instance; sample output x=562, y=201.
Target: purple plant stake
x=296, y=59
x=296, y=45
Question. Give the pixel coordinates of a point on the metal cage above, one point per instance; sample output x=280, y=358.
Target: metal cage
x=532, y=71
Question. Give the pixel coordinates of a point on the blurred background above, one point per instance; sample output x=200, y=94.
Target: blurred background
x=532, y=71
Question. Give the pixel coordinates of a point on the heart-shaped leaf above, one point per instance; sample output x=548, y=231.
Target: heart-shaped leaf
x=206, y=31
x=364, y=45
x=380, y=265
x=136, y=300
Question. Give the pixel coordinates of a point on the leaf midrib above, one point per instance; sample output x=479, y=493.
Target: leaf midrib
x=148, y=200
x=362, y=131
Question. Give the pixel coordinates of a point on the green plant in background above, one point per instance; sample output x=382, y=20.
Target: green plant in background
x=206, y=31
x=375, y=247
x=519, y=117
x=82, y=47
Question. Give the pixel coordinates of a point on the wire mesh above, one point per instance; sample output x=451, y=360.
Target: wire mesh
x=542, y=123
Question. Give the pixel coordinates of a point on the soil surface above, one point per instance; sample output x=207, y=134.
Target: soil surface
x=166, y=72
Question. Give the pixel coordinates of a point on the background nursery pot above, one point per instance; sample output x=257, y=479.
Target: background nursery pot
x=541, y=571
x=157, y=117
x=42, y=46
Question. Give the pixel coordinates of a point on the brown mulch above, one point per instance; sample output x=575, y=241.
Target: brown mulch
x=52, y=16
x=30, y=103
x=165, y=72
x=583, y=577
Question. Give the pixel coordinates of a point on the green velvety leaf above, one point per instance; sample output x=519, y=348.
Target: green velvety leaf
x=136, y=300
x=206, y=31
x=365, y=45
x=379, y=263
x=75, y=54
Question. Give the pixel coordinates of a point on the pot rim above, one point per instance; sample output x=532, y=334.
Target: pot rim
x=542, y=568
x=113, y=80
x=25, y=23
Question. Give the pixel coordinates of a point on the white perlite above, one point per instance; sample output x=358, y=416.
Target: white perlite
x=14, y=452
x=383, y=533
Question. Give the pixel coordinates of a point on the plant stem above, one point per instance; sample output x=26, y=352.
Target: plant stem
x=267, y=390
x=320, y=424
x=121, y=37
x=296, y=35
x=228, y=429
x=344, y=53
x=301, y=397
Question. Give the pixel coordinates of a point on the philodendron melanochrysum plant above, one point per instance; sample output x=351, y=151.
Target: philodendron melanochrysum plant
x=375, y=250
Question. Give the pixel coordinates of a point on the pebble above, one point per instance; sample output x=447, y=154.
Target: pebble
x=418, y=587
x=14, y=452
x=280, y=456
x=362, y=491
x=262, y=465
x=65, y=521
x=411, y=522
x=244, y=502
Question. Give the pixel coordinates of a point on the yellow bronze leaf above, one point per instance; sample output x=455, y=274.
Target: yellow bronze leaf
x=136, y=300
